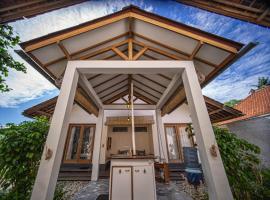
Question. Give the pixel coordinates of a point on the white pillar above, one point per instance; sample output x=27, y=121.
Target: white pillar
x=155, y=139
x=214, y=172
x=103, y=147
x=49, y=168
x=97, y=145
x=161, y=136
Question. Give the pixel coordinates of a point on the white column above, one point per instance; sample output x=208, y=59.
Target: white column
x=49, y=168
x=103, y=147
x=161, y=136
x=97, y=146
x=155, y=139
x=216, y=179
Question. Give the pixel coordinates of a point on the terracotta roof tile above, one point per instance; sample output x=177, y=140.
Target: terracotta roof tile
x=256, y=104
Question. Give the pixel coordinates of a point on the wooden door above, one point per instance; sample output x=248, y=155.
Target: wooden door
x=79, y=144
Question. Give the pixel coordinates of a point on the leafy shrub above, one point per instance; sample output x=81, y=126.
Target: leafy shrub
x=20, y=152
x=241, y=163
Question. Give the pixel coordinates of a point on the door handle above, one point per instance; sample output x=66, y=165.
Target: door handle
x=120, y=171
x=144, y=171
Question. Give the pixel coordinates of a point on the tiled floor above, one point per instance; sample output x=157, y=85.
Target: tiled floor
x=170, y=191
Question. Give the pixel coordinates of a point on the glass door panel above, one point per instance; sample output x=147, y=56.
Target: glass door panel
x=87, y=143
x=172, y=144
x=73, y=143
x=79, y=146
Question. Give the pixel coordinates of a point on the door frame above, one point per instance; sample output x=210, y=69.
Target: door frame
x=176, y=127
x=78, y=160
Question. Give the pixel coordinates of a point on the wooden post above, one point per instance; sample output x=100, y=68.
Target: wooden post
x=132, y=121
x=214, y=172
x=53, y=151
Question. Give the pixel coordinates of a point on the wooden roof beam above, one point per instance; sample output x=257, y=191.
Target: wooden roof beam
x=142, y=83
x=107, y=80
x=117, y=96
x=140, y=53
x=157, y=83
x=86, y=103
x=64, y=50
x=120, y=53
x=112, y=86
x=144, y=98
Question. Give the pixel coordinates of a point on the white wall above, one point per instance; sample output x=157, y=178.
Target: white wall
x=180, y=115
x=80, y=116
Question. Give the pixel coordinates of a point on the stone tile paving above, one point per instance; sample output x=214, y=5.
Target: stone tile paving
x=173, y=191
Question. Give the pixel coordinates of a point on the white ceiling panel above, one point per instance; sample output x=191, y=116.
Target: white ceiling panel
x=95, y=36
x=58, y=68
x=203, y=68
x=165, y=36
x=48, y=53
x=212, y=54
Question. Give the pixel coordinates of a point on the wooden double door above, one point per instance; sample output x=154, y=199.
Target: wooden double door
x=176, y=138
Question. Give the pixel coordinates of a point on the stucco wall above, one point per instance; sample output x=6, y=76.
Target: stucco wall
x=180, y=115
x=256, y=131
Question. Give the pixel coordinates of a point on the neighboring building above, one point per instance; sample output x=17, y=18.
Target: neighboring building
x=254, y=126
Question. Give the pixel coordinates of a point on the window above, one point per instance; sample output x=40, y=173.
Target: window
x=120, y=129
x=79, y=144
x=141, y=129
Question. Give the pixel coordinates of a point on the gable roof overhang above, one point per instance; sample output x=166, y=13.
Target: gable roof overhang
x=255, y=11
x=217, y=111
x=132, y=34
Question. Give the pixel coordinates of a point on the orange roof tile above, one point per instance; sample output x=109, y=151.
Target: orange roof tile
x=256, y=104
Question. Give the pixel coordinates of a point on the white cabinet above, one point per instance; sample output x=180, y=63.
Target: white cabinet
x=132, y=179
x=121, y=183
x=143, y=183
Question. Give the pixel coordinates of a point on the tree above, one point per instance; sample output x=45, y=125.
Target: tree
x=20, y=152
x=262, y=82
x=242, y=166
x=232, y=102
x=7, y=41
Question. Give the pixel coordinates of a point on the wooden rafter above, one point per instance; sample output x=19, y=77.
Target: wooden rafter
x=140, y=53
x=103, y=82
x=86, y=103
x=150, y=94
x=153, y=81
x=86, y=49
x=115, y=90
x=164, y=76
x=196, y=50
x=130, y=49
x=64, y=50
x=117, y=96
x=112, y=86
x=93, y=77
x=103, y=50
x=119, y=53
x=144, y=98
x=145, y=85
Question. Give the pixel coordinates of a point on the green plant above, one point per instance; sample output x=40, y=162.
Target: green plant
x=232, y=102
x=241, y=163
x=20, y=152
x=266, y=183
x=59, y=193
x=262, y=82
x=8, y=41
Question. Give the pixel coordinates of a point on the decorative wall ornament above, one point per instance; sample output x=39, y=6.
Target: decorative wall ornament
x=48, y=153
x=213, y=150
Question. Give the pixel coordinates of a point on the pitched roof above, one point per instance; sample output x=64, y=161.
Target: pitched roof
x=256, y=104
x=133, y=34
x=216, y=110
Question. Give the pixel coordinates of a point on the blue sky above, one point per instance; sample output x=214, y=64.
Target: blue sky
x=235, y=83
